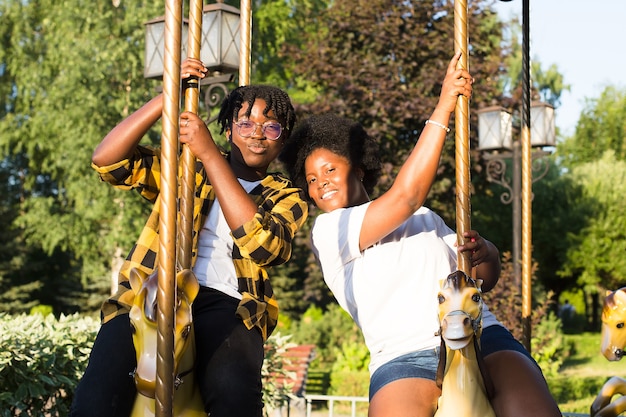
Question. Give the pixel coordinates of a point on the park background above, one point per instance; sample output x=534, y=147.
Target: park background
x=71, y=71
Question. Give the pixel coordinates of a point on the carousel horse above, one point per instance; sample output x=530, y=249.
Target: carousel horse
x=460, y=373
x=143, y=314
x=613, y=345
x=613, y=320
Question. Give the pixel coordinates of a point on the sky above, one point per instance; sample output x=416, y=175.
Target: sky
x=583, y=39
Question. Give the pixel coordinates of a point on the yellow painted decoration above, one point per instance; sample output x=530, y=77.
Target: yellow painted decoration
x=187, y=400
x=613, y=328
x=602, y=405
x=463, y=391
x=613, y=342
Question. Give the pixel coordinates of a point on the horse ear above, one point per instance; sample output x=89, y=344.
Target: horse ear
x=136, y=279
x=188, y=284
x=620, y=295
x=608, y=292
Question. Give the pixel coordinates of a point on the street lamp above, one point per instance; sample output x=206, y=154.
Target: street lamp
x=219, y=49
x=495, y=140
x=495, y=121
x=519, y=226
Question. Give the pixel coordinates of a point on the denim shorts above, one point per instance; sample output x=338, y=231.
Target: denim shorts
x=497, y=338
x=420, y=364
x=423, y=364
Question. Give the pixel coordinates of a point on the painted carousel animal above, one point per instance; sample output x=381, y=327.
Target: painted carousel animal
x=143, y=314
x=463, y=391
x=613, y=348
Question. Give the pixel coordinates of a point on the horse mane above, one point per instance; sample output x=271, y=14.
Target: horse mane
x=609, y=301
x=612, y=301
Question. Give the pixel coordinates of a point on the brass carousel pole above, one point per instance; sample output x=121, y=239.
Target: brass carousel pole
x=188, y=183
x=461, y=123
x=164, y=395
x=526, y=181
x=245, y=36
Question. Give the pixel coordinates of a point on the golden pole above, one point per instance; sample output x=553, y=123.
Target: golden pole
x=167, y=219
x=245, y=41
x=461, y=116
x=526, y=181
x=188, y=183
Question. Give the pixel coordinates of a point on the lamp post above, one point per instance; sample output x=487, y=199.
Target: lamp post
x=496, y=142
x=520, y=193
x=219, y=49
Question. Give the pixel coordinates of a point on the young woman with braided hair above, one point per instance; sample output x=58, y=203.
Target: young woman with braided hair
x=244, y=222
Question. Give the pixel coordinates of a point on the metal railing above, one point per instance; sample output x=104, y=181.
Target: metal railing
x=330, y=402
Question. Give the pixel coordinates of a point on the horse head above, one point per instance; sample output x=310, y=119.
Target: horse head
x=143, y=319
x=613, y=329
x=465, y=385
x=460, y=310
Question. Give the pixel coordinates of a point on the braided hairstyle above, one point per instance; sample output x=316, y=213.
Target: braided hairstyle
x=276, y=99
x=339, y=135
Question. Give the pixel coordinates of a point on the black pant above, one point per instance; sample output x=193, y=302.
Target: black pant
x=107, y=389
x=228, y=364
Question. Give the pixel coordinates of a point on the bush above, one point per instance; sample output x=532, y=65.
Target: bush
x=326, y=330
x=350, y=376
x=565, y=388
x=275, y=395
x=548, y=344
x=41, y=361
x=43, y=358
x=547, y=339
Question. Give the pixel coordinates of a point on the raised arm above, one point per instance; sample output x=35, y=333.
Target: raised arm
x=120, y=142
x=411, y=186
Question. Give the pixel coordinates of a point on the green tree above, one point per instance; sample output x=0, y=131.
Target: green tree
x=547, y=84
x=278, y=26
x=70, y=71
x=601, y=127
x=558, y=212
x=592, y=161
x=16, y=293
x=382, y=63
x=596, y=254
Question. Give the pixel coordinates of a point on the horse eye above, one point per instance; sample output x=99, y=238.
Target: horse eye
x=620, y=325
x=476, y=298
x=186, y=331
x=441, y=298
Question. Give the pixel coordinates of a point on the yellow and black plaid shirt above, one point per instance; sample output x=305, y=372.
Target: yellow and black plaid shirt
x=262, y=242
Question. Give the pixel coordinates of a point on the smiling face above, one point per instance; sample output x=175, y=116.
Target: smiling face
x=251, y=156
x=332, y=182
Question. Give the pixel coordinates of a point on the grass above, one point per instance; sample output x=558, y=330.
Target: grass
x=583, y=373
x=587, y=360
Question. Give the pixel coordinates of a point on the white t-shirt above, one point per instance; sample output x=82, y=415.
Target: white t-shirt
x=391, y=288
x=214, y=265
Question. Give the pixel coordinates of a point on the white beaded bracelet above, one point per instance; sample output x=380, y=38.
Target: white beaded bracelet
x=444, y=127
